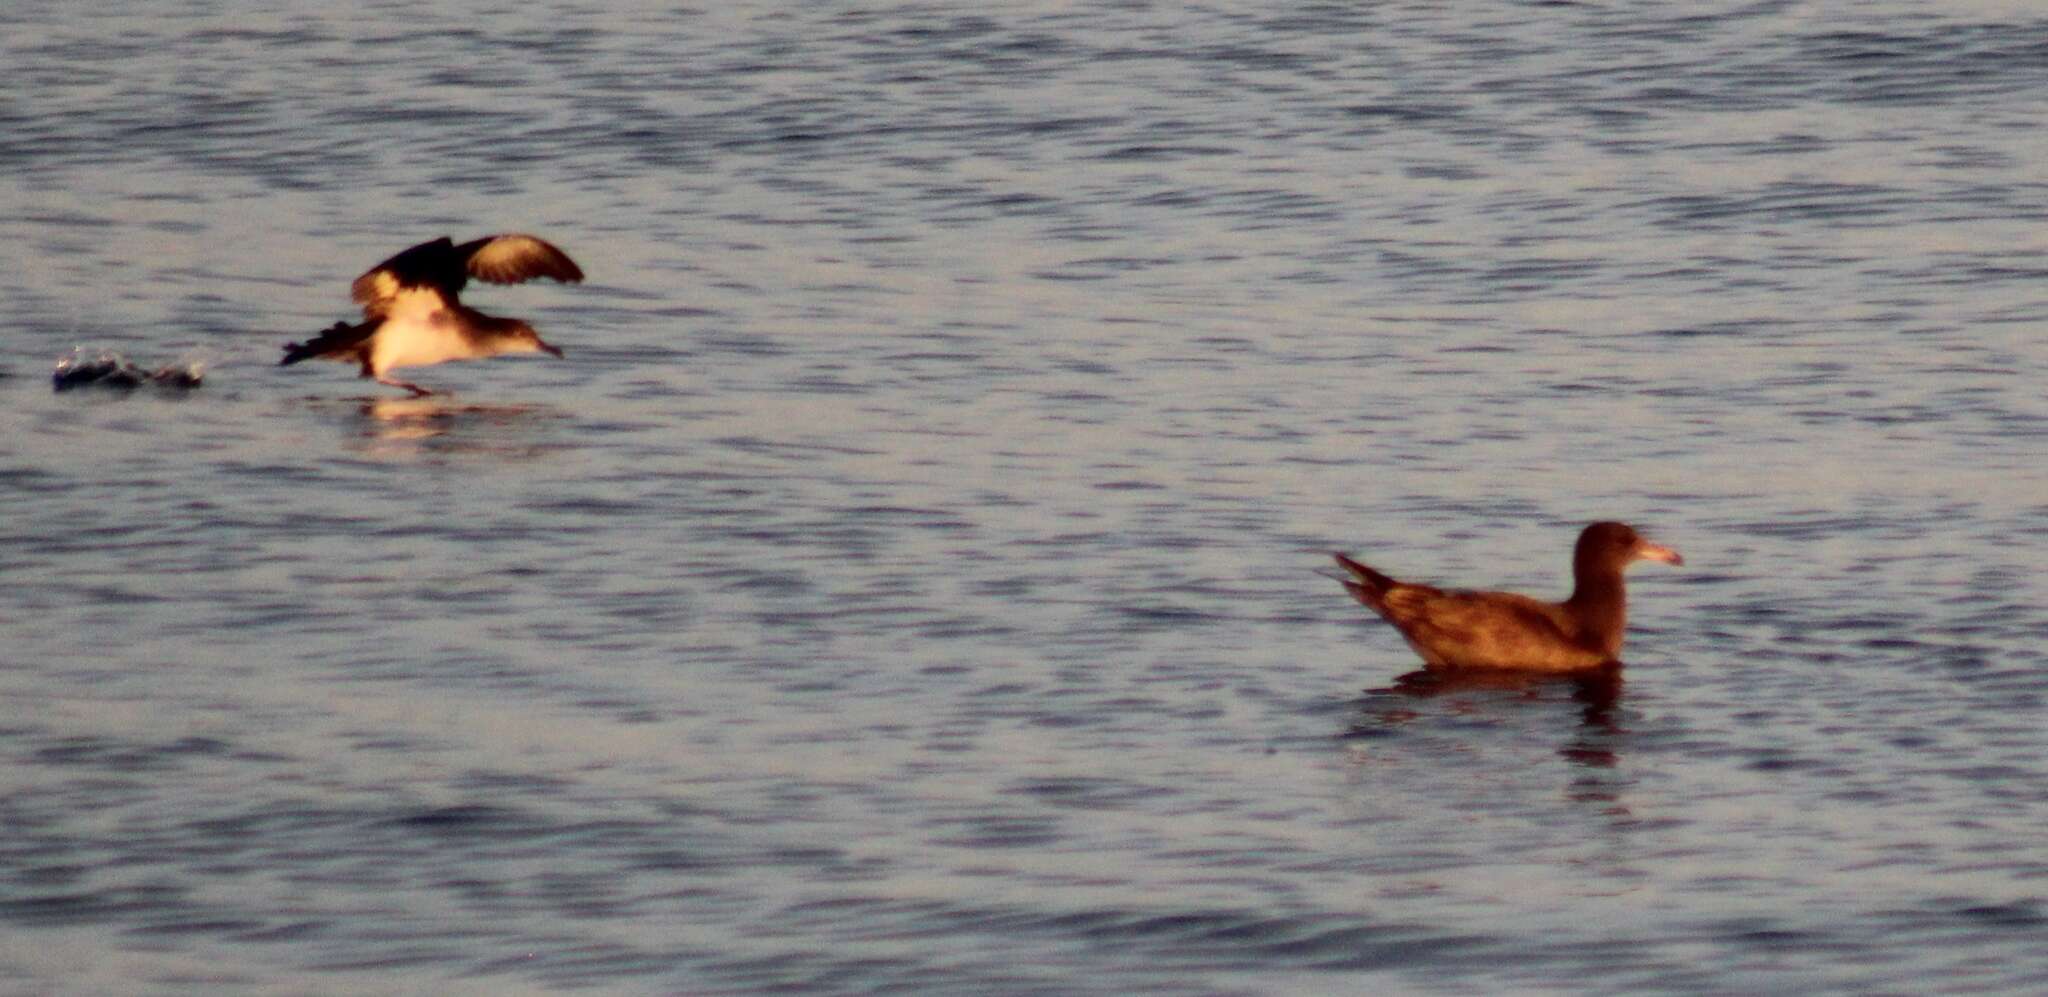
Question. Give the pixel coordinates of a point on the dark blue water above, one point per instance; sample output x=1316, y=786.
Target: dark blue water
x=908, y=578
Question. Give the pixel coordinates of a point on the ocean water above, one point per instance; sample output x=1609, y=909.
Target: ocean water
x=909, y=578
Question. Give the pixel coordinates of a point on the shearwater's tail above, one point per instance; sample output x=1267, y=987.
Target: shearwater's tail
x=1365, y=584
x=336, y=340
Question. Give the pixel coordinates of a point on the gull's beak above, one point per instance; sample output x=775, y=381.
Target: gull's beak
x=1658, y=552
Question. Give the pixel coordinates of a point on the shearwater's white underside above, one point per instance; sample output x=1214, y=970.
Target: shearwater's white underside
x=418, y=330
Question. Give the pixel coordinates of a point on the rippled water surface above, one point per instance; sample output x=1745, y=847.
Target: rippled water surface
x=908, y=580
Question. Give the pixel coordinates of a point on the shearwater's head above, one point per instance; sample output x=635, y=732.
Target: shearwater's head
x=515, y=336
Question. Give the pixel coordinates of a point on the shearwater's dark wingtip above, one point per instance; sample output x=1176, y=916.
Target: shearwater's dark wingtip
x=568, y=272
x=1359, y=570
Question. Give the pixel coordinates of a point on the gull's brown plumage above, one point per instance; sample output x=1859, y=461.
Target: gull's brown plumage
x=1504, y=630
x=413, y=315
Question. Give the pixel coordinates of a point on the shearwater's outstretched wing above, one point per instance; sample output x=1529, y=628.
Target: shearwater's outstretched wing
x=444, y=268
x=515, y=258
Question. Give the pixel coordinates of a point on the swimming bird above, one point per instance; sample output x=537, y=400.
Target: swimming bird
x=1503, y=630
x=412, y=318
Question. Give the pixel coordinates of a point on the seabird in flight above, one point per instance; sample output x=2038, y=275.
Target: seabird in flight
x=411, y=317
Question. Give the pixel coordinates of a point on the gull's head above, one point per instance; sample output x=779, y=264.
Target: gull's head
x=1615, y=545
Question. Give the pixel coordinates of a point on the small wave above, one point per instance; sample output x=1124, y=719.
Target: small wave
x=108, y=369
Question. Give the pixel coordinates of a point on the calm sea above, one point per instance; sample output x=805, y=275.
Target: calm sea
x=908, y=579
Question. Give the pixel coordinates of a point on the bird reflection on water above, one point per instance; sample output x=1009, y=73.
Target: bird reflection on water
x=448, y=425
x=1467, y=691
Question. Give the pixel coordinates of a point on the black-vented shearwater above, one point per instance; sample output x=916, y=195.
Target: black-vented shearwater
x=411, y=317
